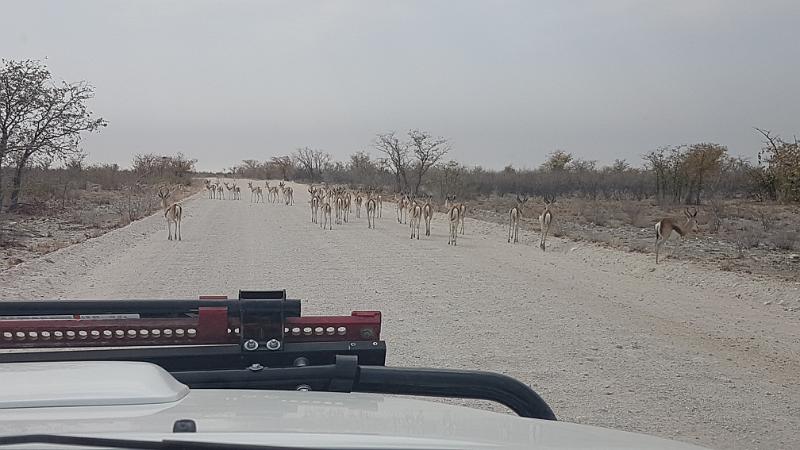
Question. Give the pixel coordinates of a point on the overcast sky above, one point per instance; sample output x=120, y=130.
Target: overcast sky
x=506, y=82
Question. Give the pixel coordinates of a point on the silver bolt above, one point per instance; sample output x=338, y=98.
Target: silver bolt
x=304, y=388
x=255, y=367
x=273, y=344
x=250, y=345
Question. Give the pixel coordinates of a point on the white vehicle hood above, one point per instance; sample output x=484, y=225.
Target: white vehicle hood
x=56, y=399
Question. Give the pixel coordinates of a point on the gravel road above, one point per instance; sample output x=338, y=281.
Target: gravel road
x=682, y=352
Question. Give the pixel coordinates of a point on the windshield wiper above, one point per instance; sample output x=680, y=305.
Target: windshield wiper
x=166, y=444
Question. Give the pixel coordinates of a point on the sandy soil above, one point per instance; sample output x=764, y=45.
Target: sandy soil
x=683, y=351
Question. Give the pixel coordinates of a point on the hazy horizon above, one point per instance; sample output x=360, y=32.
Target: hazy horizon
x=506, y=82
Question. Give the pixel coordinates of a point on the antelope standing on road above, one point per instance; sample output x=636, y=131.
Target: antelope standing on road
x=514, y=216
x=346, y=205
x=416, y=216
x=427, y=214
x=220, y=192
x=359, y=201
x=372, y=206
x=450, y=201
x=453, y=216
x=402, y=208
x=315, y=208
x=230, y=190
x=210, y=188
x=664, y=228
x=172, y=212
x=326, y=214
x=546, y=219
x=273, y=193
x=255, y=192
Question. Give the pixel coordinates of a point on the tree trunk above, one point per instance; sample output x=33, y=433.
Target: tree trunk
x=16, y=186
x=3, y=152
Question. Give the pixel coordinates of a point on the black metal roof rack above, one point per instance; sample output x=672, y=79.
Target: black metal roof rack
x=258, y=341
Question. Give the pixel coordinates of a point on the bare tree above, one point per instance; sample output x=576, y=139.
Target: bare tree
x=311, y=161
x=397, y=157
x=304, y=159
x=284, y=165
x=320, y=161
x=427, y=151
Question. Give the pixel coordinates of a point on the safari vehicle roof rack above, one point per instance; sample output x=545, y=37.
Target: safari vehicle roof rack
x=257, y=341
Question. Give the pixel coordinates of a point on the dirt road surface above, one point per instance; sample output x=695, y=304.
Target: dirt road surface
x=681, y=352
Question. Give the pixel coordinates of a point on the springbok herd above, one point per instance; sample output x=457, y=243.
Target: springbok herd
x=336, y=203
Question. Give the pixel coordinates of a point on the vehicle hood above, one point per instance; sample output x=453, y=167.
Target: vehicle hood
x=318, y=419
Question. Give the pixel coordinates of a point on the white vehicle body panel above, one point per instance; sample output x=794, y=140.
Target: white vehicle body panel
x=282, y=418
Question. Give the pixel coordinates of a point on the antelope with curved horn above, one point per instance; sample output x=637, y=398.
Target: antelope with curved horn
x=514, y=216
x=172, y=212
x=546, y=219
x=665, y=227
x=220, y=192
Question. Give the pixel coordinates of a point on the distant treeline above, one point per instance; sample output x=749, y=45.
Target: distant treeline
x=415, y=164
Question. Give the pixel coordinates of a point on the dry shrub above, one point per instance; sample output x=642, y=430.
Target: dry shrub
x=594, y=213
x=604, y=237
x=635, y=213
x=747, y=238
x=717, y=215
x=138, y=201
x=765, y=218
x=785, y=240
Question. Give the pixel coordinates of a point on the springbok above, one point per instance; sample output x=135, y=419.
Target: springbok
x=416, y=216
x=273, y=194
x=359, y=201
x=220, y=192
x=427, y=214
x=231, y=194
x=402, y=208
x=339, y=208
x=545, y=220
x=372, y=206
x=449, y=202
x=172, y=212
x=346, y=205
x=453, y=216
x=326, y=214
x=255, y=191
x=210, y=188
x=314, y=208
x=514, y=216
x=664, y=228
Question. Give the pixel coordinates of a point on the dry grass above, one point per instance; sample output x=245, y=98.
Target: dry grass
x=760, y=236
x=56, y=216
